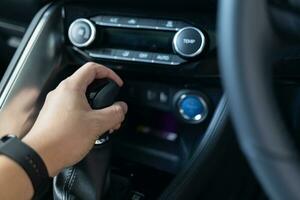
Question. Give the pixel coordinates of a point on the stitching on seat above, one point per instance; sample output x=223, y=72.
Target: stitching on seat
x=73, y=179
x=66, y=183
x=68, y=190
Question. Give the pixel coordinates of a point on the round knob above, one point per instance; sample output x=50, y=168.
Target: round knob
x=82, y=32
x=189, y=42
x=192, y=108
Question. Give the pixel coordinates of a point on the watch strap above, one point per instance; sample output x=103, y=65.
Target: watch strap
x=29, y=160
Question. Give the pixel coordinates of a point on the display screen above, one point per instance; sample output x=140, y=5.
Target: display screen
x=139, y=40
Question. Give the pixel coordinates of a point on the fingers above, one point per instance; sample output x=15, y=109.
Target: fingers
x=85, y=75
x=115, y=128
x=111, y=117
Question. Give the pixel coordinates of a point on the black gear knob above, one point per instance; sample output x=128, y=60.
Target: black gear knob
x=106, y=96
x=103, y=93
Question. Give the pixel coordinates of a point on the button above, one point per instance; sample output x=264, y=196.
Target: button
x=192, y=108
x=143, y=56
x=82, y=32
x=151, y=95
x=162, y=58
x=189, y=42
x=102, y=53
x=157, y=96
x=129, y=22
x=163, y=97
x=110, y=20
x=167, y=24
x=125, y=55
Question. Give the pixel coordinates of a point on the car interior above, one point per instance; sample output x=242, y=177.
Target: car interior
x=212, y=88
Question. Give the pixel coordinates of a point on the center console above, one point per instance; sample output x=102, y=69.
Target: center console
x=159, y=58
x=168, y=63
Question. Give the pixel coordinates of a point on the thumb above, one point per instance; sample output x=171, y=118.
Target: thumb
x=111, y=116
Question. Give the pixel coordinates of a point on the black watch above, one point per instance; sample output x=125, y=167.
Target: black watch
x=29, y=160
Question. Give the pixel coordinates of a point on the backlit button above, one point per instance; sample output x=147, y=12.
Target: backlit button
x=125, y=54
x=129, y=22
x=162, y=58
x=143, y=56
x=151, y=95
x=112, y=20
x=192, y=108
x=102, y=53
x=167, y=24
x=163, y=97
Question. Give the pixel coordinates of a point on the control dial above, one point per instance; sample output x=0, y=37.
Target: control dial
x=82, y=32
x=192, y=107
x=189, y=42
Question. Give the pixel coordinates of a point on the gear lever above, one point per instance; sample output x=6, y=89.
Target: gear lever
x=90, y=178
x=104, y=98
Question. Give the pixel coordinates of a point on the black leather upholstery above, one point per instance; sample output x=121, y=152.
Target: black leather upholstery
x=89, y=179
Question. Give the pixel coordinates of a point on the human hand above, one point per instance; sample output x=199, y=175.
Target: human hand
x=67, y=127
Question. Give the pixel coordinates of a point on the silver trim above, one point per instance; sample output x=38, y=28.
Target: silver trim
x=136, y=26
x=98, y=21
x=199, y=51
x=194, y=119
x=37, y=31
x=104, y=56
x=92, y=36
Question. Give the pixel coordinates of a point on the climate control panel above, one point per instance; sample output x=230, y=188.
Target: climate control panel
x=166, y=42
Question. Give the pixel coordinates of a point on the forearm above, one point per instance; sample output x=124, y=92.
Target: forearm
x=14, y=182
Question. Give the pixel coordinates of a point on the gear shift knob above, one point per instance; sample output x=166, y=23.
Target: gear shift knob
x=104, y=97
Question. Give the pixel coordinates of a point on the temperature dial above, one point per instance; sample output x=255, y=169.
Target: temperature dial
x=189, y=42
x=82, y=32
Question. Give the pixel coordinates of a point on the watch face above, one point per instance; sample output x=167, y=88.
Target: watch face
x=7, y=137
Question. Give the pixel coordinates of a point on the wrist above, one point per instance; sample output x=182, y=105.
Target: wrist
x=9, y=169
x=44, y=151
x=28, y=159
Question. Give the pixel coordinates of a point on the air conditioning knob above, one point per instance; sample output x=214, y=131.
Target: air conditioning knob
x=82, y=32
x=189, y=42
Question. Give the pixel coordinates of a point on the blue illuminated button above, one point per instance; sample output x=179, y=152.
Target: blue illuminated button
x=192, y=108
